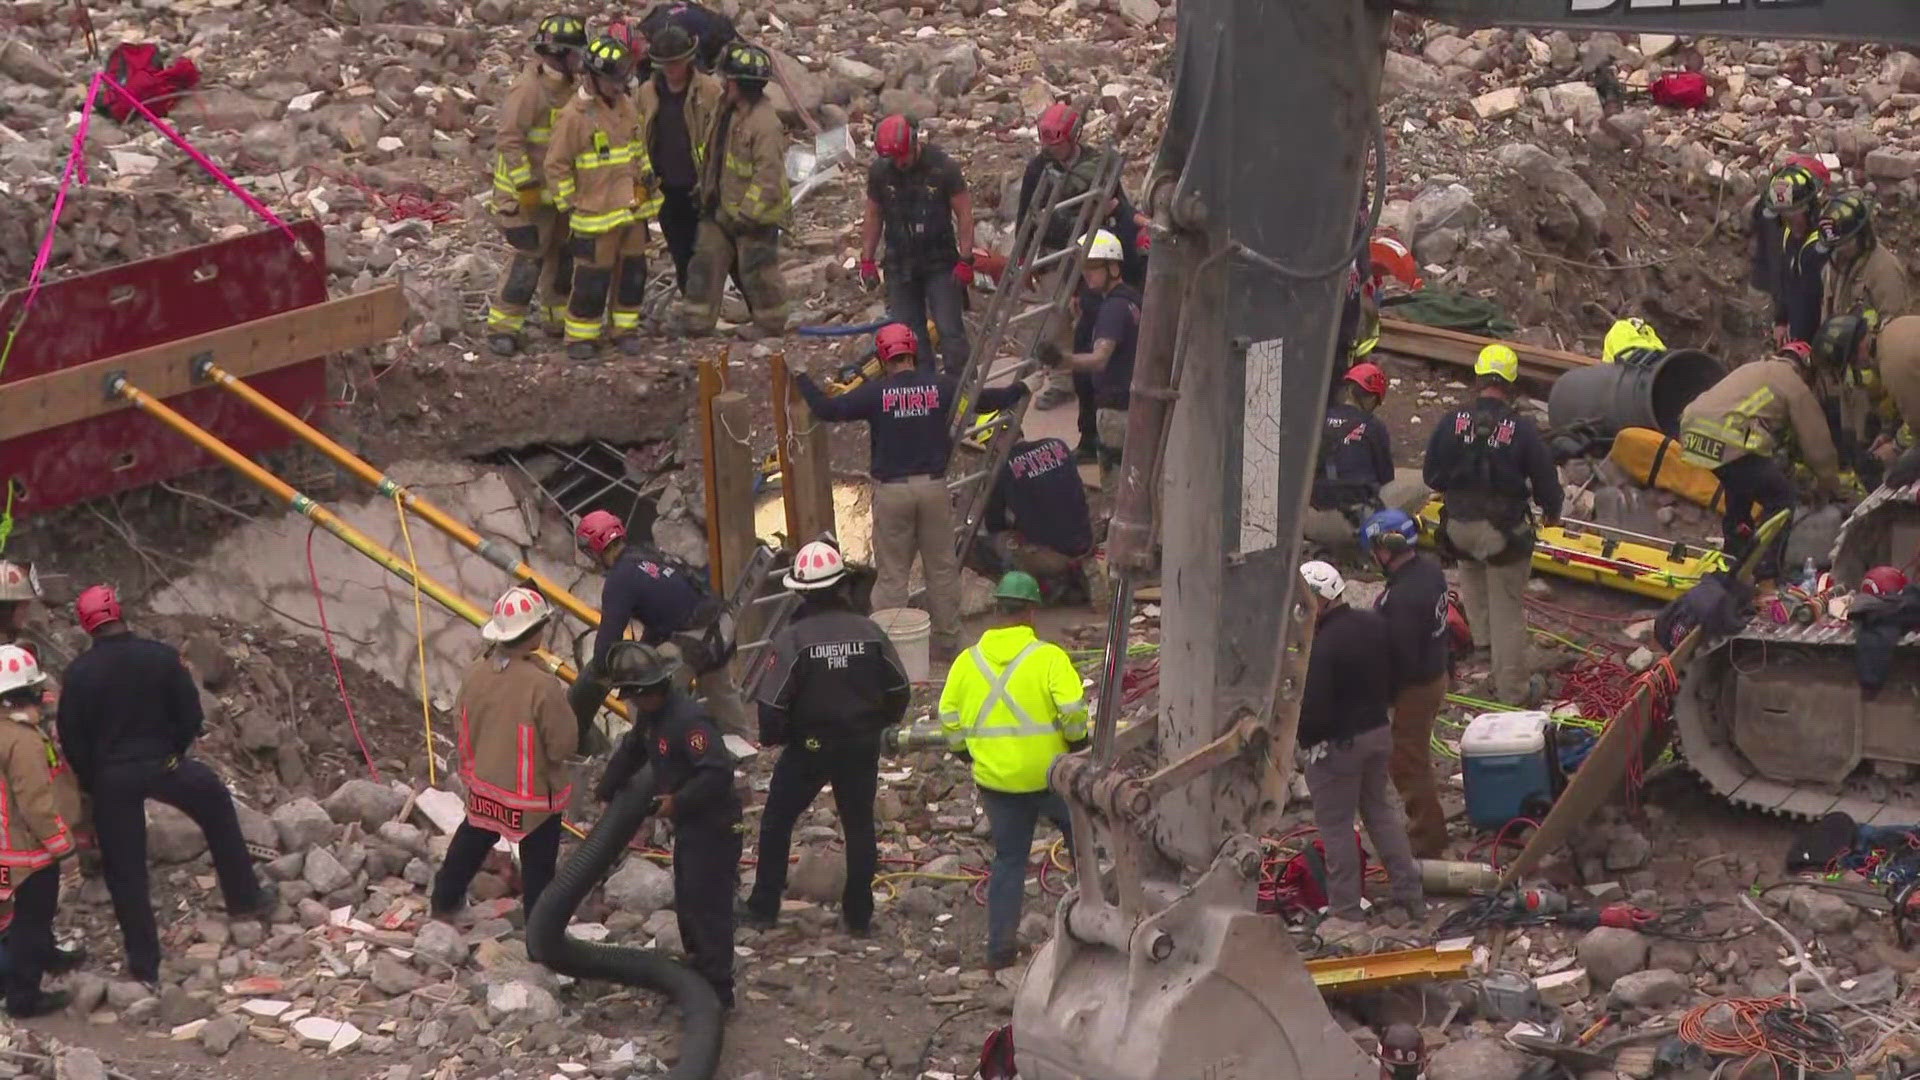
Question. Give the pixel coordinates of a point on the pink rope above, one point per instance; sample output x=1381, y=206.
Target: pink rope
x=76, y=170
x=199, y=158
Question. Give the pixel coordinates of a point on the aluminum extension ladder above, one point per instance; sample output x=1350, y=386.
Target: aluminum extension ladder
x=1008, y=316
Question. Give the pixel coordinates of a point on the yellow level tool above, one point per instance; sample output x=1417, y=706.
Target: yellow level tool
x=1612, y=558
x=1344, y=974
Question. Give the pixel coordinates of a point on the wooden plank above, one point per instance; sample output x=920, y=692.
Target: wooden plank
x=1454, y=347
x=782, y=398
x=734, y=471
x=250, y=348
x=808, y=483
x=713, y=380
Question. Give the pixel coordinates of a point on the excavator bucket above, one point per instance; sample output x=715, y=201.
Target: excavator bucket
x=1232, y=1001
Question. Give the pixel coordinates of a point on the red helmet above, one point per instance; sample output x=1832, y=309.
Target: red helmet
x=1883, y=581
x=1368, y=377
x=598, y=531
x=1797, y=350
x=97, y=607
x=894, y=341
x=1813, y=164
x=895, y=138
x=1059, y=125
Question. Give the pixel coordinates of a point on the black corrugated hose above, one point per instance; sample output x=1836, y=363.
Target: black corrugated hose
x=548, y=943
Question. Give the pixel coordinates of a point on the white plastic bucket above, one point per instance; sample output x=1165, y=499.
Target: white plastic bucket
x=908, y=629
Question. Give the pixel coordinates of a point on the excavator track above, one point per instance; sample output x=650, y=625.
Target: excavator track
x=1772, y=718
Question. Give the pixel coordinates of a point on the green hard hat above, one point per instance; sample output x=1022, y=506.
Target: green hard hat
x=1018, y=585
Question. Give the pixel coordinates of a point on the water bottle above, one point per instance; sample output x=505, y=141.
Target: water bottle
x=1809, y=576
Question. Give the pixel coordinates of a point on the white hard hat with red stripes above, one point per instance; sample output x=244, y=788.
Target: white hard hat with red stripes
x=518, y=611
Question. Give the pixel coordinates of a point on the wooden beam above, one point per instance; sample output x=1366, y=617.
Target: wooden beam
x=251, y=348
x=1453, y=347
x=712, y=381
x=807, y=485
x=734, y=471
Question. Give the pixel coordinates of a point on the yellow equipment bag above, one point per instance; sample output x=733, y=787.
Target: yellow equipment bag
x=1653, y=459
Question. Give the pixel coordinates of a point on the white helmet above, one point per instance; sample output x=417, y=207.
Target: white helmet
x=1323, y=579
x=18, y=669
x=515, y=613
x=816, y=566
x=16, y=582
x=1105, y=246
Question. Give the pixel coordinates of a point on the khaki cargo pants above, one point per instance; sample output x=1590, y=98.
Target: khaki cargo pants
x=753, y=257
x=1495, y=598
x=541, y=263
x=1411, y=764
x=915, y=517
x=1332, y=528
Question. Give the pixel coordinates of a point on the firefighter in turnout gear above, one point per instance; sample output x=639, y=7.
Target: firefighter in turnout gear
x=907, y=413
x=1883, y=361
x=35, y=835
x=677, y=105
x=833, y=681
x=676, y=613
x=129, y=714
x=1490, y=464
x=692, y=781
x=1739, y=426
x=743, y=201
x=1862, y=276
x=598, y=172
x=516, y=734
x=522, y=205
x=1356, y=461
x=17, y=594
x=1010, y=706
x=920, y=197
x=1788, y=260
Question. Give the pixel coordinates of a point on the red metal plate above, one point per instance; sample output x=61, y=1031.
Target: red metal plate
x=152, y=302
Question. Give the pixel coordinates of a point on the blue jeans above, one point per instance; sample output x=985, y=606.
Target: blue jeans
x=1014, y=817
x=913, y=297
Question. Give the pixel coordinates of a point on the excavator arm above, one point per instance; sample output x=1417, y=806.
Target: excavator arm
x=1160, y=968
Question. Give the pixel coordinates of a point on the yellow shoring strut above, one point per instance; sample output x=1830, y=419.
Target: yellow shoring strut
x=489, y=550
x=118, y=386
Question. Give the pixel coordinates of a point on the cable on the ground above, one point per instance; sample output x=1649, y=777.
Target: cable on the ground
x=1779, y=1029
x=420, y=638
x=333, y=654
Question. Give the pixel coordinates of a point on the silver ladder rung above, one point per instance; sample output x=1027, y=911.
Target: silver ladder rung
x=1052, y=257
x=1075, y=200
x=970, y=478
x=1037, y=309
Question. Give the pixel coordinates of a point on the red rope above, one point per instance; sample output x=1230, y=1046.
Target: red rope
x=397, y=207
x=339, y=676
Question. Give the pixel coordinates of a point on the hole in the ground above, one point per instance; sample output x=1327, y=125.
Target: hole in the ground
x=598, y=475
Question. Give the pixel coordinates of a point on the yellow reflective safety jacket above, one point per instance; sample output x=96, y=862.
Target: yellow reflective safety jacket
x=1014, y=702
x=522, y=129
x=595, y=164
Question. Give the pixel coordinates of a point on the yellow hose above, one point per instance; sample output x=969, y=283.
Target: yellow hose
x=326, y=519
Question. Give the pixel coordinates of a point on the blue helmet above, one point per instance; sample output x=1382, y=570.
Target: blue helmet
x=1384, y=526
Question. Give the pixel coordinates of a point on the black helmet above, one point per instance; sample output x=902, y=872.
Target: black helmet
x=1843, y=219
x=610, y=57
x=670, y=44
x=560, y=33
x=634, y=666
x=1791, y=187
x=749, y=64
x=1837, y=342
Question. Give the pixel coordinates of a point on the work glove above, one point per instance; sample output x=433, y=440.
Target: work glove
x=963, y=273
x=1049, y=355
x=1144, y=243
x=869, y=274
x=529, y=198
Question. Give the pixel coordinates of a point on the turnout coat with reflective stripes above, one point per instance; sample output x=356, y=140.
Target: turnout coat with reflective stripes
x=1013, y=702
x=743, y=176
x=1755, y=410
x=516, y=733
x=523, y=128
x=595, y=164
x=33, y=832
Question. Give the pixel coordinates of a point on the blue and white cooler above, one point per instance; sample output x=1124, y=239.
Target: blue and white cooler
x=1508, y=766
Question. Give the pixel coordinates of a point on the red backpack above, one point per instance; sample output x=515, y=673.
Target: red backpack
x=996, y=1057
x=1681, y=90
x=137, y=68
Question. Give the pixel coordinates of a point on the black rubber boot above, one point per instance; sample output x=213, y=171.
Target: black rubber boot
x=503, y=344
x=584, y=351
